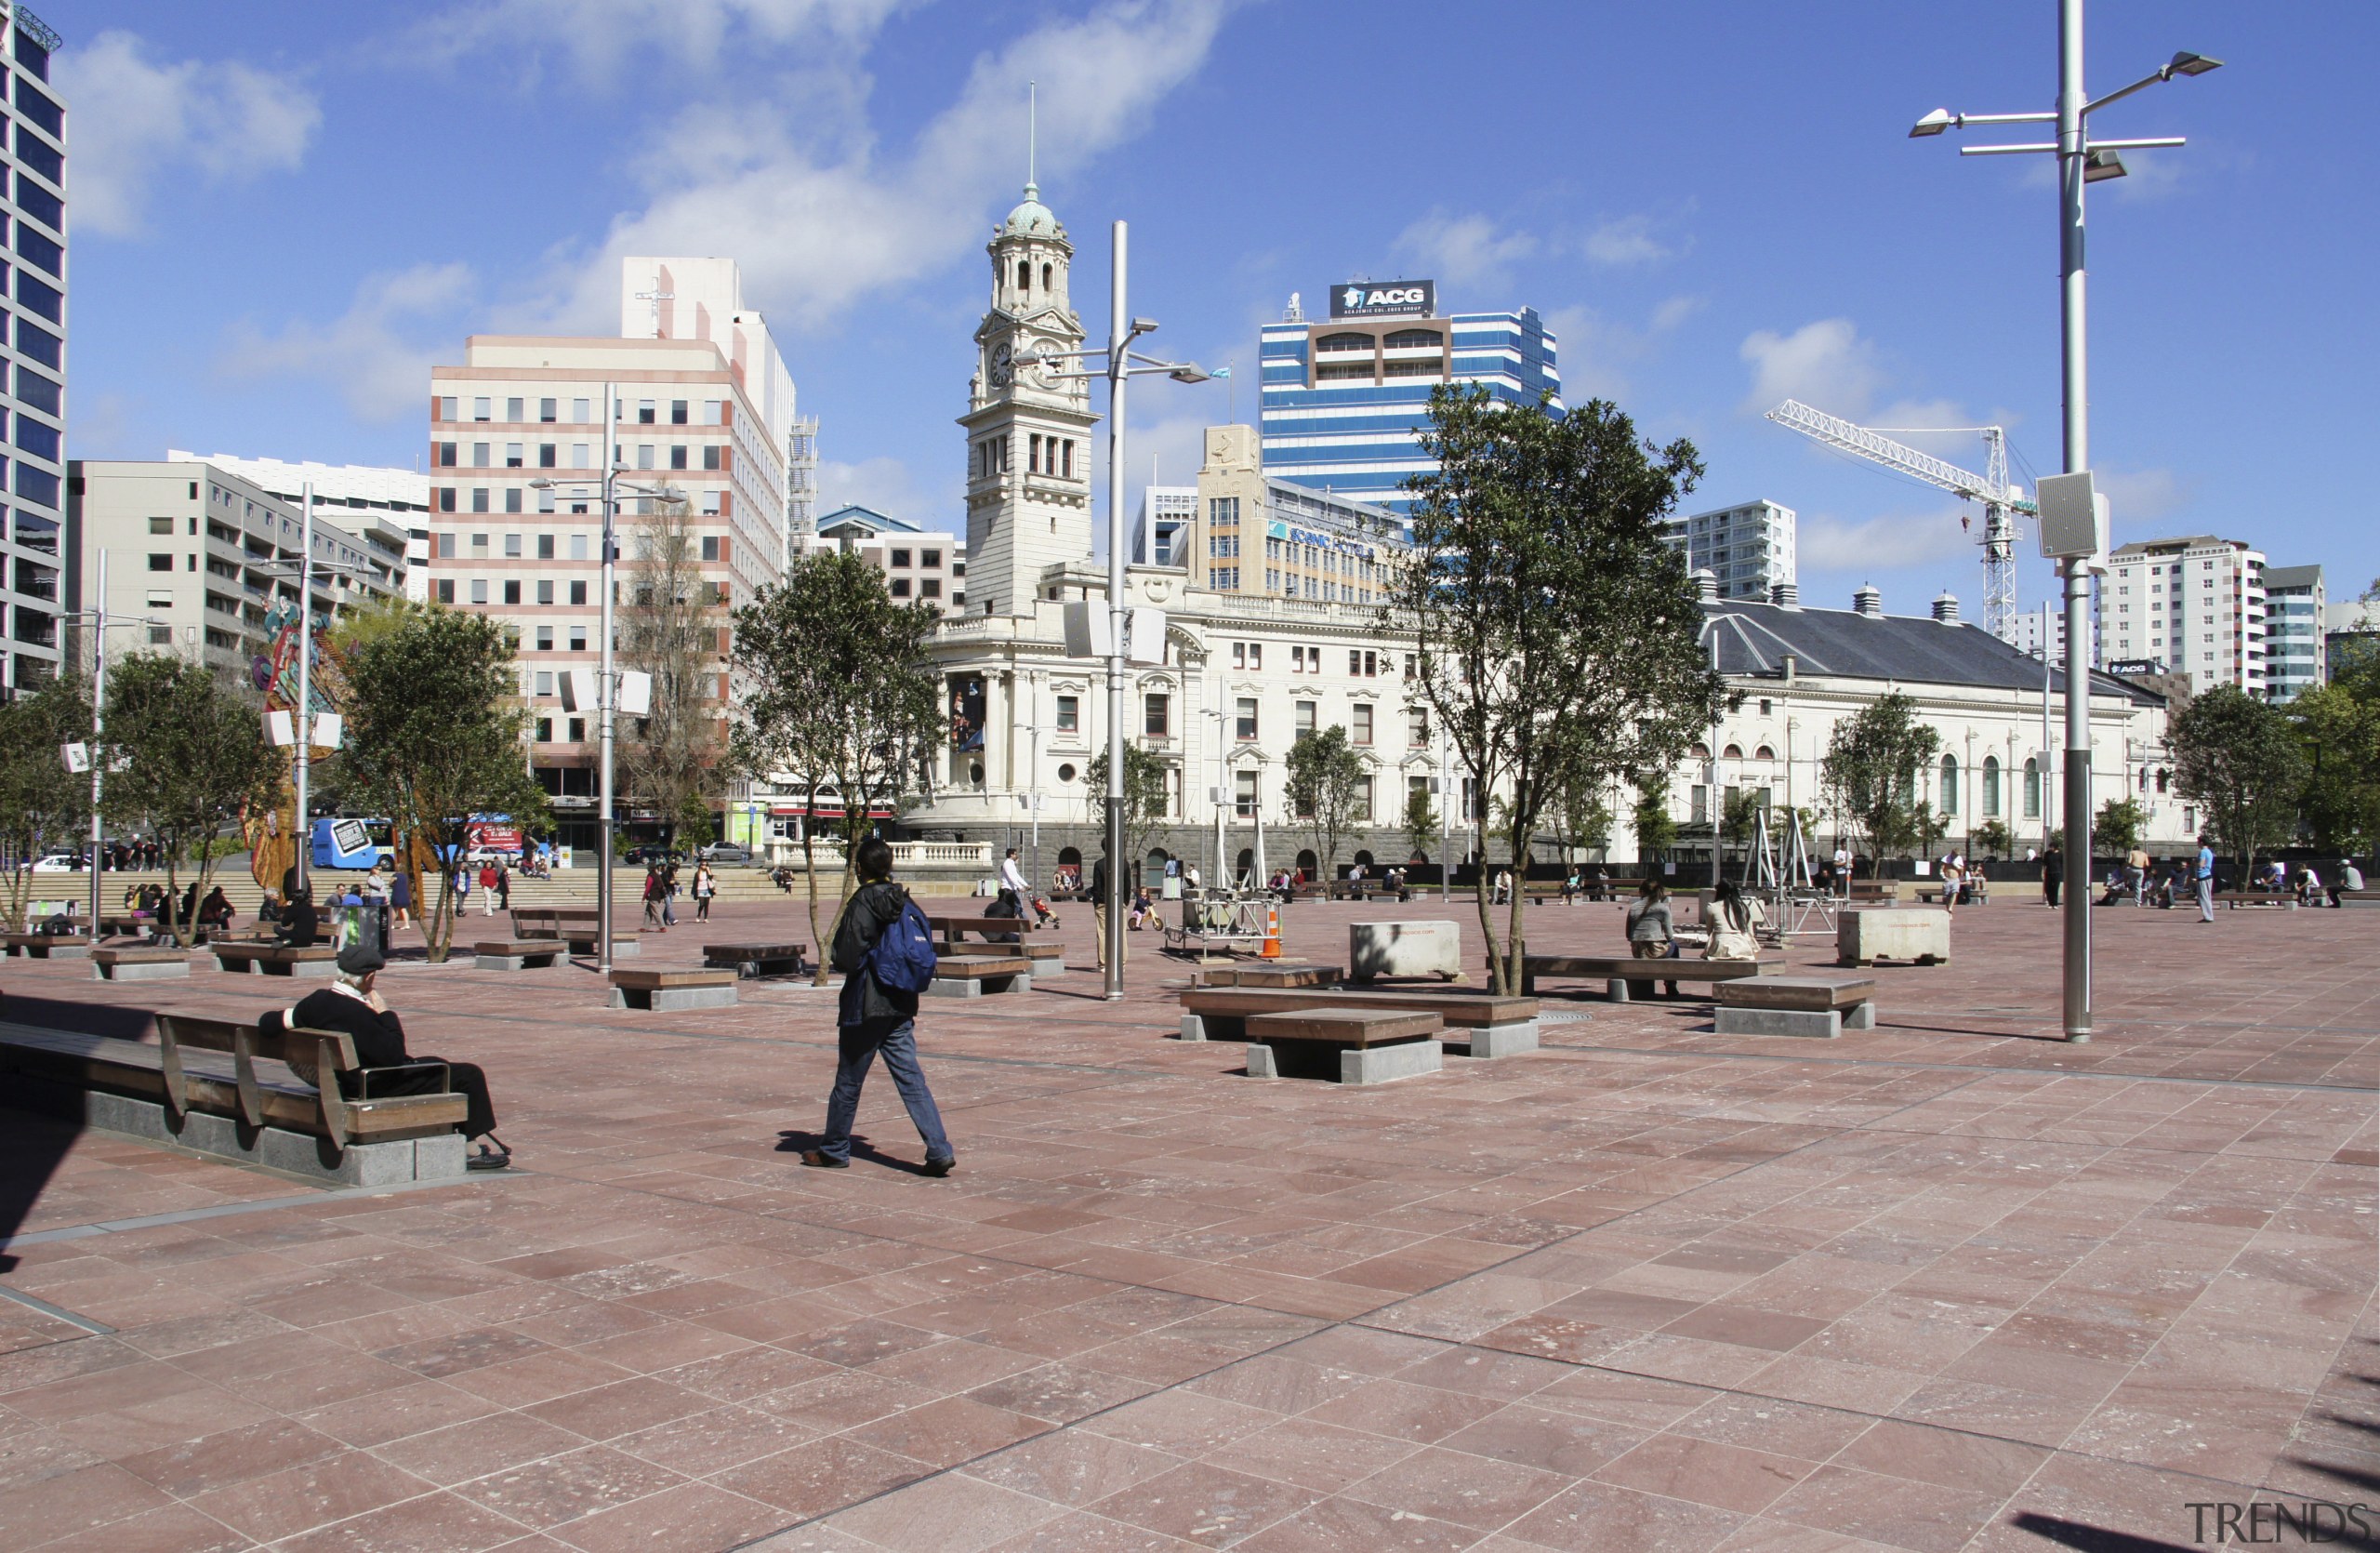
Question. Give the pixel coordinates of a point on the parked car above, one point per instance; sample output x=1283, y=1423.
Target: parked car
x=59, y=862
x=643, y=855
x=732, y=853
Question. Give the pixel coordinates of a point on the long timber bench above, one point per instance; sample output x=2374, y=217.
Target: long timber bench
x=517, y=954
x=1048, y=955
x=668, y=992
x=314, y=962
x=581, y=927
x=240, y=1093
x=1620, y=973
x=1820, y=1006
x=163, y=963
x=46, y=946
x=757, y=960
x=977, y=975
x=1488, y=1026
x=1344, y=1045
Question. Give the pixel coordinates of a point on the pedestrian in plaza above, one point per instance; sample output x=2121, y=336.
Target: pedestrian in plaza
x=1954, y=879
x=2309, y=885
x=1733, y=918
x=656, y=896
x=1099, y=911
x=2205, y=878
x=503, y=885
x=1649, y=933
x=2135, y=865
x=352, y=1004
x=2052, y=875
x=668, y=895
x=705, y=886
x=401, y=898
x=301, y=926
x=885, y=951
x=2350, y=877
x=487, y=889
x=459, y=886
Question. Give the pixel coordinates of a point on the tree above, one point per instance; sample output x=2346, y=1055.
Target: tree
x=1656, y=827
x=1324, y=789
x=2338, y=727
x=2241, y=758
x=841, y=704
x=1421, y=821
x=1991, y=837
x=1578, y=814
x=187, y=753
x=434, y=731
x=41, y=804
x=1739, y=815
x=2120, y=822
x=670, y=628
x=1145, y=802
x=1557, y=634
x=1925, y=827
x=1869, y=772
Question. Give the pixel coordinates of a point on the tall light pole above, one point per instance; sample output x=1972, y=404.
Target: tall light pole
x=1119, y=363
x=2080, y=161
x=303, y=724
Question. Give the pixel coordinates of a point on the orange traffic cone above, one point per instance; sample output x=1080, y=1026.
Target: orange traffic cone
x=1272, y=949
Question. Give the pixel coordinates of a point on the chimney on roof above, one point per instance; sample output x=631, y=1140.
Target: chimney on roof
x=1786, y=665
x=1866, y=600
x=1785, y=595
x=1945, y=608
x=1706, y=583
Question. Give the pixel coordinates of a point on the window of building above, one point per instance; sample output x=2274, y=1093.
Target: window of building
x=1362, y=731
x=544, y=592
x=1245, y=729
x=512, y=547
x=900, y=558
x=511, y=590
x=1243, y=794
x=677, y=412
x=478, y=589
x=2033, y=790
x=678, y=456
x=482, y=409
x=579, y=546
x=644, y=412
x=577, y=633
x=928, y=558
x=579, y=595
x=577, y=726
x=1949, y=804
x=1069, y=714
x=513, y=458
x=1698, y=804
x=512, y=498
x=931, y=587
x=1415, y=340
x=479, y=498
x=582, y=410
x=900, y=588
x=161, y=562
x=480, y=453
x=1305, y=715
x=513, y=410
x=1156, y=715
x=443, y=455
x=1417, y=726
x=1992, y=787
x=446, y=407
x=161, y=525
x=445, y=589
x=545, y=639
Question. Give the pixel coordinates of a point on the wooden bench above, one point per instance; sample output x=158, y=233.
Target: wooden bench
x=2232, y=901
x=161, y=964
x=240, y=1093
x=668, y=992
x=1344, y=1045
x=46, y=946
x=1487, y=1026
x=1931, y=895
x=517, y=954
x=2357, y=897
x=314, y=963
x=1618, y=971
x=757, y=960
x=555, y=922
x=976, y=976
x=1823, y=1007
x=1269, y=974
x=949, y=931
x=1048, y=956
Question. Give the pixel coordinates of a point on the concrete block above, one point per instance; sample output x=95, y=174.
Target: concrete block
x=302, y=970
x=369, y=1164
x=62, y=949
x=1864, y=934
x=1860, y=1017
x=163, y=970
x=1495, y=1041
x=1778, y=1021
x=1376, y=1065
x=1260, y=1064
x=978, y=987
x=439, y=1158
x=674, y=1000
x=1404, y=948
x=1193, y=1028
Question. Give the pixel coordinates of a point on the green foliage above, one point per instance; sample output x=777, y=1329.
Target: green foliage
x=2338, y=729
x=1656, y=829
x=841, y=700
x=1992, y=838
x=1420, y=820
x=1740, y=813
x=41, y=804
x=1925, y=827
x=1557, y=634
x=1325, y=789
x=434, y=731
x=1144, y=799
x=696, y=827
x=1869, y=772
x=2241, y=758
x=193, y=755
x=2119, y=828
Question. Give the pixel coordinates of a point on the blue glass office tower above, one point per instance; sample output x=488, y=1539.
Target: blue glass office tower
x=1346, y=399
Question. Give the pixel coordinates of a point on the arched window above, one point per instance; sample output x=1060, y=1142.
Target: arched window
x=1992, y=787
x=1763, y=753
x=1045, y=277
x=2164, y=779
x=1701, y=751
x=1950, y=804
x=1024, y=275
x=2032, y=788
x=1308, y=863
x=1733, y=753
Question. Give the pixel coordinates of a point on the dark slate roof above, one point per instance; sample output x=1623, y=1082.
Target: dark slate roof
x=1840, y=643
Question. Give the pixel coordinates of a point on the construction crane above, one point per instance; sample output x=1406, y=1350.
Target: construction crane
x=2000, y=500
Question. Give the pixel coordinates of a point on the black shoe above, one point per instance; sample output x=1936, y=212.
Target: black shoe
x=488, y=1158
x=938, y=1168
x=816, y=1160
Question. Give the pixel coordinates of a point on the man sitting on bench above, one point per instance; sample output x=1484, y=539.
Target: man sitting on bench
x=300, y=923
x=352, y=1006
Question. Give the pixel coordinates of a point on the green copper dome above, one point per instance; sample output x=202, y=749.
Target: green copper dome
x=1031, y=217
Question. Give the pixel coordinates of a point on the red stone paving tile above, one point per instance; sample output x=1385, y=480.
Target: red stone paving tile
x=435, y=1523
x=1727, y=1477
x=1402, y=1411
x=1205, y=1504
x=1345, y=1523
x=1316, y=1456
x=1074, y=1531
x=393, y=1414
x=1074, y=1467
x=477, y=1447
x=85, y=1497
x=821, y=1475
x=1445, y=1484
x=951, y=1514
x=1059, y=1393
x=602, y=1411
x=1598, y=1515
x=283, y=1504
x=946, y=1432
x=548, y=1491
x=1898, y=1512
x=710, y=1442
x=541, y=1377
x=175, y=1529
x=230, y=1456
x=1949, y=1458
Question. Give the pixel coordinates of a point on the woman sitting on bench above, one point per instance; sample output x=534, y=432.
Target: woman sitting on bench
x=352, y=1006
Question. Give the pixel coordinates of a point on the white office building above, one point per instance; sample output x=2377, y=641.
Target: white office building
x=2193, y=605
x=2295, y=657
x=391, y=505
x=1164, y=528
x=1749, y=549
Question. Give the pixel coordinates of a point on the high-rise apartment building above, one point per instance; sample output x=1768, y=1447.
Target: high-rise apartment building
x=921, y=564
x=199, y=555
x=1748, y=549
x=391, y=505
x=2294, y=630
x=2193, y=607
x=1161, y=538
x=1346, y=400
x=518, y=438
x=32, y=381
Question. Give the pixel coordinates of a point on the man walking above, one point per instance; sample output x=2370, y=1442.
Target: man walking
x=2135, y=864
x=874, y=1019
x=1099, y=908
x=2205, y=880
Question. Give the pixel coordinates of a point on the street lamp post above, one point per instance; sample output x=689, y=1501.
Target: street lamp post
x=2080, y=161
x=1119, y=363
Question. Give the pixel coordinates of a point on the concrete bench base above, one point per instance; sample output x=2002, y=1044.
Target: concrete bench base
x=1823, y=1025
x=439, y=1158
x=514, y=962
x=980, y=987
x=1494, y=1041
x=1360, y=1064
x=672, y=1000
x=301, y=970
x=1404, y=948
x=174, y=966
x=41, y=947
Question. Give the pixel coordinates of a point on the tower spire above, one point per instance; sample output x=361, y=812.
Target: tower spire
x=1032, y=137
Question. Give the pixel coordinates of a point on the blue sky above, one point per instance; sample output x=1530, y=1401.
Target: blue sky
x=283, y=214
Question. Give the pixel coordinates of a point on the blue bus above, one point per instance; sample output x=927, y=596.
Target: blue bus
x=352, y=843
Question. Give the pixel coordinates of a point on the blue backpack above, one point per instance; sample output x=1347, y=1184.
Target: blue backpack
x=903, y=958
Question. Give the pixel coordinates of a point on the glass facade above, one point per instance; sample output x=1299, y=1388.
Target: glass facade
x=33, y=392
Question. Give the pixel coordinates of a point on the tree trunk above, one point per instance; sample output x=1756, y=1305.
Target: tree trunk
x=810, y=871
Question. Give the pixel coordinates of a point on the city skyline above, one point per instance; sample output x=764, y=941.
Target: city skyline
x=1695, y=268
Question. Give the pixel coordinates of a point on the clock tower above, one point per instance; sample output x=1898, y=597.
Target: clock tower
x=1028, y=428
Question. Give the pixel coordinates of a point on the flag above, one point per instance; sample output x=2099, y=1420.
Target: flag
x=1220, y=372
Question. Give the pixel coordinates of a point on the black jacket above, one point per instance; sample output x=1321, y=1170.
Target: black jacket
x=1098, y=883
x=864, y=1000
x=300, y=923
x=379, y=1038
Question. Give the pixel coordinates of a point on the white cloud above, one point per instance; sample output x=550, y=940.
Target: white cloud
x=816, y=228
x=1825, y=364
x=885, y=484
x=1599, y=353
x=2140, y=496
x=1628, y=240
x=365, y=353
x=137, y=120
x=1462, y=249
x=597, y=37
x=1881, y=544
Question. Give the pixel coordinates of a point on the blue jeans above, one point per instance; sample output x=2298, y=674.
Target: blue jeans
x=898, y=1044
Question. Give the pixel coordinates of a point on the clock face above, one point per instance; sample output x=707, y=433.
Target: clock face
x=1003, y=370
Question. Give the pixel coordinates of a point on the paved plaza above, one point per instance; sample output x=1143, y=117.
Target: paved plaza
x=1951, y=1284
